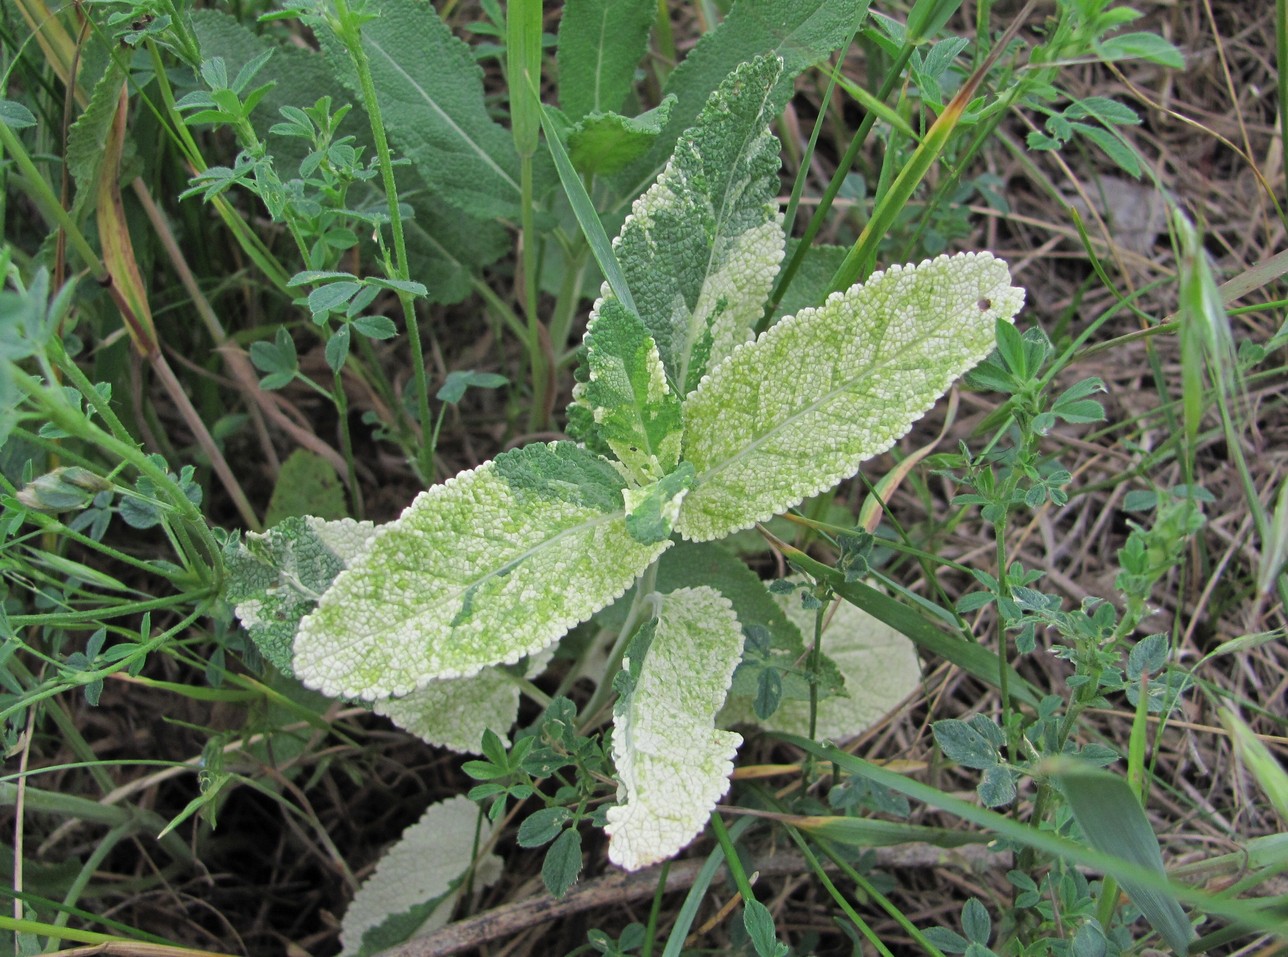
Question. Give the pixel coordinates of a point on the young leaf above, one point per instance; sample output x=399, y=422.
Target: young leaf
x=600, y=44
x=793, y=413
x=414, y=887
x=275, y=578
x=702, y=246
x=651, y=511
x=635, y=411
x=492, y=565
x=672, y=764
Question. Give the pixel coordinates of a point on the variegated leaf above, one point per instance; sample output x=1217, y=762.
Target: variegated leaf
x=672, y=762
x=796, y=411
x=492, y=565
x=701, y=247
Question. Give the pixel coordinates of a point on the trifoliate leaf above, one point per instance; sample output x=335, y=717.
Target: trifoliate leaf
x=492, y=565
x=672, y=763
x=275, y=578
x=455, y=713
x=415, y=885
x=878, y=664
x=633, y=406
x=701, y=247
x=799, y=409
x=603, y=143
x=600, y=44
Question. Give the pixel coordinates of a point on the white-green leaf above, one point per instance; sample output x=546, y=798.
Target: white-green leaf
x=702, y=246
x=275, y=578
x=879, y=666
x=651, y=511
x=796, y=411
x=492, y=565
x=455, y=712
x=672, y=762
x=634, y=409
x=414, y=888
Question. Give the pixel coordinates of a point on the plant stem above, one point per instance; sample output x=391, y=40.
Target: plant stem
x=348, y=28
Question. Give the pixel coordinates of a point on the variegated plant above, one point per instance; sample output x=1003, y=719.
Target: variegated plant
x=685, y=427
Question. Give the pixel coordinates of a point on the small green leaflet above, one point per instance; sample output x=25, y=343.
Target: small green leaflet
x=796, y=411
x=702, y=246
x=672, y=763
x=632, y=405
x=492, y=565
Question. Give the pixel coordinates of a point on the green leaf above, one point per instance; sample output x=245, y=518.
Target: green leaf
x=415, y=885
x=306, y=485
x=759, y=924
x=600, y=44
x=672, y=764
x=275, y=578
x=1114, y=823
x=428, y=80
x=793, y=413
x=16, y=116
x=636, y=413
x=963, y=743
x=801, y=32
x=459, y=380
x=541, y=827
x=492, y=565
x=1141, y=46
x=702, y=245
x=563, y=863
x=603, y=143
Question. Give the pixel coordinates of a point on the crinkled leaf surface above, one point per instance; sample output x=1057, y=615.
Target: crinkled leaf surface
x=701, y=247
x=651, y=511
x=635, y=411
x=879, y=666
x=602, y=143
x=673, y=764
x=601, y=42
x=275, y=578
x=414, y=887
x=492, y=565
x=455, y=712
x=796, y=411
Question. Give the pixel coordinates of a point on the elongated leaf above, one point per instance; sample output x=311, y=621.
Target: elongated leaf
x=672, y=763
x=636, y=413
x=600, y=44
x=702, y=245
x=1114, y=823
x=793, y=413
x=415, y=885
x=427, y=79
x=492, y=565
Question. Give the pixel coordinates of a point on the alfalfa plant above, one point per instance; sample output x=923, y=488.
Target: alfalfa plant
x=686, y=428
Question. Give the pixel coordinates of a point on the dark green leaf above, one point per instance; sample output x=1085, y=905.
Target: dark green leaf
x=600, y=44
x=337, y=349
x=563, y=863
x=964, y=744
x=458, y=381
x=976, y=924
x=16, y=116
x=543, y=826
x=1141, y=46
